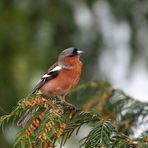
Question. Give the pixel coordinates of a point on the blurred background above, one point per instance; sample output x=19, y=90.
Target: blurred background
x=113, y=33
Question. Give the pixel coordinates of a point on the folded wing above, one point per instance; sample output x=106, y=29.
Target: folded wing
x=53, y=71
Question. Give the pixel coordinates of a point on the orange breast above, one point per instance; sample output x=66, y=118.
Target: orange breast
x=64, y=82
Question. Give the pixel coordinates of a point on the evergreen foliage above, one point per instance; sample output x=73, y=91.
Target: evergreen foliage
x=110, y=113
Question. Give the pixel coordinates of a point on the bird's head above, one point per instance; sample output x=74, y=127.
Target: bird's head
x=69, y=57
x=71, y=52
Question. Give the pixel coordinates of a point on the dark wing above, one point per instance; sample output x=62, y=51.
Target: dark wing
x=53, y=71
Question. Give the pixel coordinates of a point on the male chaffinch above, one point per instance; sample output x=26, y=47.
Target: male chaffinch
x=60, y=78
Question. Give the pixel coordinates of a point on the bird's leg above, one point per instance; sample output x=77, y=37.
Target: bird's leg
x=68, y=105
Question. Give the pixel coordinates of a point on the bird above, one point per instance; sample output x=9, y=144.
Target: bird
x=59, y=80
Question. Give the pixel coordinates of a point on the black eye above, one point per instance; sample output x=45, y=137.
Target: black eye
x=75, y=51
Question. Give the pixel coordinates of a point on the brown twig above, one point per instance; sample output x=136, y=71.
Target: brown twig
x=126, y=138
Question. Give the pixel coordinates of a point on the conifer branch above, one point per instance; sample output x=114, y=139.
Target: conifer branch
x=126, y=138
x=52, y=122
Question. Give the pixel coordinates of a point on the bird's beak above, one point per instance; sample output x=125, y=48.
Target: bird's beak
x=80, y=52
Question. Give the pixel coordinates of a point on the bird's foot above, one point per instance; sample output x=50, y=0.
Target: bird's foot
x=70, y=107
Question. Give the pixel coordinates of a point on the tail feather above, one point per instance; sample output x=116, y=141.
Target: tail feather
x=25, y=118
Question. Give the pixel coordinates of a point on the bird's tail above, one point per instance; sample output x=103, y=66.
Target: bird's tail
x=25, y=118
x=28, y=114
